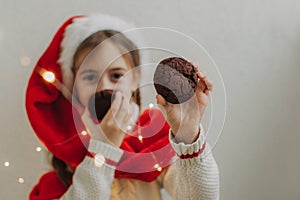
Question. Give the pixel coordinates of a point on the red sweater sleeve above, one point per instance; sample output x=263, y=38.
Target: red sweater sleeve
x=48, y=188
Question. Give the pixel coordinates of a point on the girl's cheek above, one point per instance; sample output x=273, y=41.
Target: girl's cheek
x=86, y=97
x=83, y=89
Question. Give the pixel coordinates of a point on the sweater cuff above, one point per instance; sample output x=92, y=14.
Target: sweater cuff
x=107, y=150
x=185, y=151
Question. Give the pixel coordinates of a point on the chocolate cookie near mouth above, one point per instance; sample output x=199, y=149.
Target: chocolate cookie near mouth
x=100, y=103
x=175, y=79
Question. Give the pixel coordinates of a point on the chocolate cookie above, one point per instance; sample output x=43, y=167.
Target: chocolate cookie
x=175, y=79
x=100, y=103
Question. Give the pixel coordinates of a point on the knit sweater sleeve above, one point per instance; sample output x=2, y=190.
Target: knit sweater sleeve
x=93, y=179
x=192, y=178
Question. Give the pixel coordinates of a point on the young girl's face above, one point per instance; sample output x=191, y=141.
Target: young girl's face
x=103, y=68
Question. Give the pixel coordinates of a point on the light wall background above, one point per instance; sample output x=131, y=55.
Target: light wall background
x=255, y=43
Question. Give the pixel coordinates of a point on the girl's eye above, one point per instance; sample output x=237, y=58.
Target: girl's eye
x=116, y=75
x=90, y=77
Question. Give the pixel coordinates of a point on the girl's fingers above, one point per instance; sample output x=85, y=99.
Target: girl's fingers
x=123, y=111
x=203, y=88
x=209, y=84
x=197, y=71
x=118, y=115
x=93, y=129
x=115, y=106
x=129, y=115
x=161, y=100
x=123, y=114
x=203, y=80
x=86, y=120
x=201, y=74
x=207, y=92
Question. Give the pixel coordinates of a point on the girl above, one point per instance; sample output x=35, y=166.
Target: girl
x=124, y=156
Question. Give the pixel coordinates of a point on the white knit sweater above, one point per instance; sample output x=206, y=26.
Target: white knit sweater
x=191, y=179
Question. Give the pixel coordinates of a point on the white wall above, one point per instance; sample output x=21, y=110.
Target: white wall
x=255, y=43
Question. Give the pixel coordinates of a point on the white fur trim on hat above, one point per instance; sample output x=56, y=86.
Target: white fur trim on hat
x=83, y=27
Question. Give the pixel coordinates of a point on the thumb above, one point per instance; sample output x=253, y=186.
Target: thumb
x=93, y=129
x=164, y=106
x=87, y=121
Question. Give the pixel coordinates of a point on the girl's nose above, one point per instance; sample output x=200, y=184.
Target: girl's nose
x=105, y=84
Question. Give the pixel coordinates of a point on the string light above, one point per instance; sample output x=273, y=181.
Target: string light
x=158, y=167
x=140, y=138
x=48, y=76
x=99, y=160
x=83, y=133
x=38, y=149
x=21, y=180
x=151, y=105
x=25, y=60
x=6, y=164
x=129, y=127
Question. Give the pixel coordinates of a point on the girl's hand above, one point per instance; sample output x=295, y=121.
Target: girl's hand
x=185, y=118
x=112, y=127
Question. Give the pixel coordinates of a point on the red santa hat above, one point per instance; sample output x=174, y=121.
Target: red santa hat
x=51, y=115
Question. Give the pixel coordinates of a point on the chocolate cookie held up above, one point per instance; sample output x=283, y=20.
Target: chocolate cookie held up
x=100, y=103
x=175, y=79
